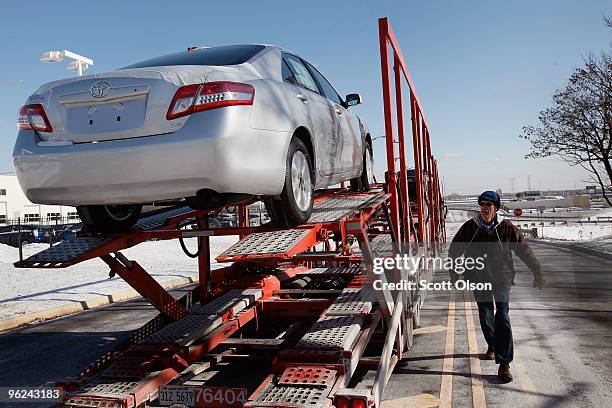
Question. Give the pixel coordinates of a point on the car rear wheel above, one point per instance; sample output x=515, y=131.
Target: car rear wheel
x=295, y=204
x=109, y=218
x=366, y=180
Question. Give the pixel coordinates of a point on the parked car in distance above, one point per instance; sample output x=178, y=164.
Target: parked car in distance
x=206, y=127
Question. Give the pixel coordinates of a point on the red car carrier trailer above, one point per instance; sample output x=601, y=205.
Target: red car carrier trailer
x=293, y=314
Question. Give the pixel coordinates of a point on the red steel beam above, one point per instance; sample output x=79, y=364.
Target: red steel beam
x=418, y=166
x=403, y=178
x=203, y=260
x=383, y=29
x=390, y=37
x=147, y=287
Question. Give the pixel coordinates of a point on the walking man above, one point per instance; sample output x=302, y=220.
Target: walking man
x=492, y=239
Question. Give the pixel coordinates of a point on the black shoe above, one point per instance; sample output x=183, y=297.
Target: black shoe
x=504, y=373
x=490, y=354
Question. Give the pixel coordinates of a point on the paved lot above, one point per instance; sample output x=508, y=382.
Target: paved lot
x=562, y=338
x=563, y=344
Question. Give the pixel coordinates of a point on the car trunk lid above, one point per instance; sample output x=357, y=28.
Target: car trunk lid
x=118, y=105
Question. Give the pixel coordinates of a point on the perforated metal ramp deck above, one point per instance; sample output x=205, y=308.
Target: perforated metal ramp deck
x=185, y=330
x=350, y=271
x=235, y=300
x=351, y=302
x=64, y=253
x=70, y=252
x=332, y=333
x=274, y=395
x=336, y=207
x=382, y=246
x=157, y=220
x=101, y=387
x=279, y=244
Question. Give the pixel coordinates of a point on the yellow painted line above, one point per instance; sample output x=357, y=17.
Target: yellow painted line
x=428, y=329
x=526, y=384
x=478, y=394
x=446, y=386
x=416, y=401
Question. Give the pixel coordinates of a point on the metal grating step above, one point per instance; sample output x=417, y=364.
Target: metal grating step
x=352, y=270
x=275, y=395
x=382, y=246
x=185, y=330
x=159, y=220
x=308, y=375
x=64, y=253
x=266, y=243
x=337, y=207
x=72, y=251
x=332, y=333
x=102, y=392
x=103, y=387
x=352, y=302
x=235, y=300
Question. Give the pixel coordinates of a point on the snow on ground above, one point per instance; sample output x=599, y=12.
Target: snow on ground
x=603, y=214
x=566, y=232
x=574, y=232
x=31, y=290
x=454, y=220
x=600, y=244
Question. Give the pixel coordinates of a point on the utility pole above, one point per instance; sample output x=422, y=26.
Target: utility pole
x=529, y=182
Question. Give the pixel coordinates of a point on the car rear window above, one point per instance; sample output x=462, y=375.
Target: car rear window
x=225, y=55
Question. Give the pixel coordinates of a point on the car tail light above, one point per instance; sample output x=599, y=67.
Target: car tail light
x=33, y=117
x=359, y=403
x=182, y=103
x=342, y=402
x=212, y=95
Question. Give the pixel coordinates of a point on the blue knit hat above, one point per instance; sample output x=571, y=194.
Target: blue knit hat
x=490, y=196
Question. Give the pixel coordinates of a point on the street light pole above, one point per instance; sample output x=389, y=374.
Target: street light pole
x=79, y=65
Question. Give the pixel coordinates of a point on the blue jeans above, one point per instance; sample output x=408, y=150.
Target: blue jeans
x=495, y=324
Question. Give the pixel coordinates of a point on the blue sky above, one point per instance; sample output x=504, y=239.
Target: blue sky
x=482, y=69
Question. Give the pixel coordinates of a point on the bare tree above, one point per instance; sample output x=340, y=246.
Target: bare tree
x=578, y=126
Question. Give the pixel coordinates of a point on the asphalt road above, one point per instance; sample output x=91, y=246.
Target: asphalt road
x=563, y=344
x=562, y=339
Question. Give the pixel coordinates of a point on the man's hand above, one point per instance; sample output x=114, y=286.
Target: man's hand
x=539, y=281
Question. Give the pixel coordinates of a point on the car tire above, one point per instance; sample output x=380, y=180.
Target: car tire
x=109, y=218
x=295, y=204
x=364, y=182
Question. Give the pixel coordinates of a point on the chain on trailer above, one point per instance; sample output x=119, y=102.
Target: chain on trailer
x=293, y=314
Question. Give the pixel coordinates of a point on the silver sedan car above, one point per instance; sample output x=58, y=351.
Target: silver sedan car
x=207, y=127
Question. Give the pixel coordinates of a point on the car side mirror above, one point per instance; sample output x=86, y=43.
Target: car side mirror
x=353, y=99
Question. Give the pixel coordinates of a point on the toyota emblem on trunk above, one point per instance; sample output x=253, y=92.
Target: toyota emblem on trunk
x=100, y=89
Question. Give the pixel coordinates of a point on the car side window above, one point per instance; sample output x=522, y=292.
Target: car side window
x=302, y=75
x=328, y=90
x=287, y=74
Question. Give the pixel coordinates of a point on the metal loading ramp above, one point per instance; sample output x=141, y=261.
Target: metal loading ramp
x=292, y=313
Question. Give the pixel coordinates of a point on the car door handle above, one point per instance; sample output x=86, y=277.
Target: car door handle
x=338, y=111
x=302, y=98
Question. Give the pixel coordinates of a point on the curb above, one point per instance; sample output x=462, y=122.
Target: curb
x=82, y=305
x=574, y=247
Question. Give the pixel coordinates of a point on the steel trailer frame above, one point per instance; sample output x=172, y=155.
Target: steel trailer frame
x=304, y=294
